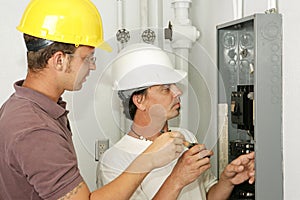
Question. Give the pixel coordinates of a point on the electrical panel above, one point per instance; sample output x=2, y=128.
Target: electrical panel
x=249, y=54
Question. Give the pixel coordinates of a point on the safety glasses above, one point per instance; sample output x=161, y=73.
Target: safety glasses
x=91, y=60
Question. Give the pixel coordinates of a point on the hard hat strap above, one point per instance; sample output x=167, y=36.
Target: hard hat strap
x=35, y=45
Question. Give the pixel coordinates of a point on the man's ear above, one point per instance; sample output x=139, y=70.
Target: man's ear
x=138, y=101
x=57, y=60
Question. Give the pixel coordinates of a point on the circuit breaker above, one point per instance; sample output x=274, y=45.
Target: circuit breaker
x=249, y=60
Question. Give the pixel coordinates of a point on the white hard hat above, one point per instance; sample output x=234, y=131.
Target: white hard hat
x=143, y=65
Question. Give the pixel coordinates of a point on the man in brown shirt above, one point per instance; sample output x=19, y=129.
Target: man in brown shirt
x=37, y=157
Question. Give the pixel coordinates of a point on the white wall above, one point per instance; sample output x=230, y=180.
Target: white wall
x=206, y=15
x=291, y=94
x=12, y=47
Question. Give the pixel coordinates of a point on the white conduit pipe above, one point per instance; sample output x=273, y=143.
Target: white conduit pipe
x=181, y=59
x=238, y=9
x=272, y=4
x=181, y=62
x=120, y=23
x=155, y=19
x=144, y=14
x=155, y=13
x=181, y=44
x=120, y=14
x=182, y=13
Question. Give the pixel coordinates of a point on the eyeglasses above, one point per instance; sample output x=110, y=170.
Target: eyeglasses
x=91, y=60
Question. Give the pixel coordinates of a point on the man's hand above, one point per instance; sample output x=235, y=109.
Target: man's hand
x=191, y=165
x=162, y=151
x=240, y=170
x=188, y=168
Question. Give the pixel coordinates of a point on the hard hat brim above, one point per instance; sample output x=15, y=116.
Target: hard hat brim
x=105, y=46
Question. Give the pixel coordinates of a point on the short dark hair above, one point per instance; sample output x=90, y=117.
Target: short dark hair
x=128, y=105
x=37, y=60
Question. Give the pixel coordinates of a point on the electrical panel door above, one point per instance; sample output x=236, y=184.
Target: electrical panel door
x=249, y=53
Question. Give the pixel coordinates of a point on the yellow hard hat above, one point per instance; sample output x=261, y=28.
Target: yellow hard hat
x=75, y=22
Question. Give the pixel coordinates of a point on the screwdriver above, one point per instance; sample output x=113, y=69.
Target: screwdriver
x=190, y=145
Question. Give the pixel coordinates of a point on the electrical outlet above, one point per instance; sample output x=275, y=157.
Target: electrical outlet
x=100, y=147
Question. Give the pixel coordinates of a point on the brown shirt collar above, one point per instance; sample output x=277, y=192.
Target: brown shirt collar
x=55, y=110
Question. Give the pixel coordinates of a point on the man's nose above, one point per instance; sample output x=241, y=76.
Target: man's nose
x=92, y=66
